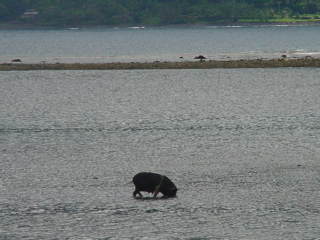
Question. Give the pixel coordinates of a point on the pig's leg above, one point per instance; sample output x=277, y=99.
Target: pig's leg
x=136, y=191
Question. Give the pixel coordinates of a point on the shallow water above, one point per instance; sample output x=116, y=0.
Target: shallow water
x=242, y=146
x=158, y=44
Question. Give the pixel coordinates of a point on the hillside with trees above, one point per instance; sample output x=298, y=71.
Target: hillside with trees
x=155, y=12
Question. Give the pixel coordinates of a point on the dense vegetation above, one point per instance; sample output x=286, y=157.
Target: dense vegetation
x=155, y=12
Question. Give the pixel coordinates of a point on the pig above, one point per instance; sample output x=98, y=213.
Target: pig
x=154, y=183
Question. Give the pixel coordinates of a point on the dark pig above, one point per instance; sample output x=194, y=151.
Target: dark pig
x=154, y=183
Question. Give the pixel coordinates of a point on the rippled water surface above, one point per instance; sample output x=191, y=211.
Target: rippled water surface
x=158, y=44
x=241, y=145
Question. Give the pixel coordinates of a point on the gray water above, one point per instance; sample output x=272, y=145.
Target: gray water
x=158, y=44
x=241, y=145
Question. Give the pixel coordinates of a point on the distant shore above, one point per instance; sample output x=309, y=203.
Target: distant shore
x=22, y=26
x=252, y=63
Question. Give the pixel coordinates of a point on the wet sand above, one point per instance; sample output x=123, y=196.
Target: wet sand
x=250, y=63
x=241, y=145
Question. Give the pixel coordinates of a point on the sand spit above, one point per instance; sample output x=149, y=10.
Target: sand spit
x=254, y=63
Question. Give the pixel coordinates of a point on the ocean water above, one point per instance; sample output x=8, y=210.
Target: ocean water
x=242, y=146
x=158, y=44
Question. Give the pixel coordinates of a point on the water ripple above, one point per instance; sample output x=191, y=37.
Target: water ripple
x=234, y=124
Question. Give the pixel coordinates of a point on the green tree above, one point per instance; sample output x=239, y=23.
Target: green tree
x=4, y=12
x=115, y=12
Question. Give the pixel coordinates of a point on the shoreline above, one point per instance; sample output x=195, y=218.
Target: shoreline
x=26, y=26
x=209, y=64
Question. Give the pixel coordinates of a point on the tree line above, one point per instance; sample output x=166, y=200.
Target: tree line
x=153, y=12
